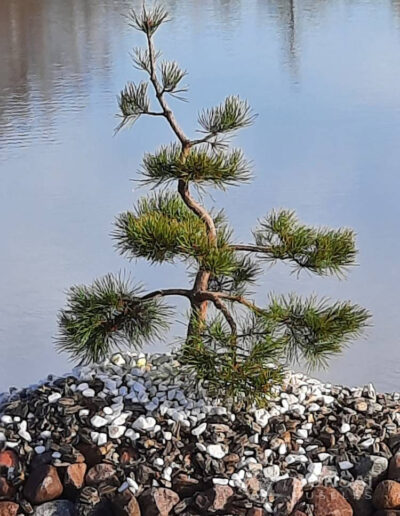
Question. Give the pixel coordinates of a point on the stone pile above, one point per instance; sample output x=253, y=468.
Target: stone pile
x=139, y=436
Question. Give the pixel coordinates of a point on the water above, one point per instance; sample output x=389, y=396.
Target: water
x=323, y=77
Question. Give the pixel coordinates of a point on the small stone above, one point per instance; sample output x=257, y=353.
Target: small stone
x=199, y=430
x=394, y=467
x=55, y=508
x=158, y=501
x=98, y=421
x=216, y=451
x=43, y=485
x=100, y=473
x=214, y=500
x=75, y=476
x=144, y=424
x=40, y=449
x=115, y=432
x=55, y=396
x=291, y=490
x=387, y=495
x=345, y=428
x=118, y=360
x=345, y=465
x=89, y=393
x=9, y=459
x=126, y=504
x=8, y=509
x=328, y=502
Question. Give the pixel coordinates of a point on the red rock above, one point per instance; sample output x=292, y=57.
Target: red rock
x=158, y=501
x=388, y=512
x=329, y=502
x=127, y=455
x=253, y=485
x=75, y=475
x=100, y=473
x=256, y=511
x=298, y=513
x=215, y=499
x=8, y=459
x=7, y=491
x=43, y=485
x=290, y=491
x=125, y=504
x=394, y=467
x=186, y=486
x=8, y=509
x=387, y=495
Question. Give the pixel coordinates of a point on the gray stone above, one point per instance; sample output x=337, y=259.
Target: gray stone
x=55, y=508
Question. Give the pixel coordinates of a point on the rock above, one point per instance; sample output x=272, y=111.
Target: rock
x=372, y=467
x=8, y=509
x=394, y=467
x=359, y=495
x=7, y=491
x=216, y=451
x=186, y=486
x=101, y=473
x=214, y=499
x=387, y=495
x=158, y=501
x=329, y=502
x=126, y=504
x=43, y=485
x=75, y=476
x=9, y=459
x=55, y=508
x=256, y=511
x=91, y=453
x=289, y=491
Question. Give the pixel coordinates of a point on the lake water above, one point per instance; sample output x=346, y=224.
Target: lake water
x=323, y=76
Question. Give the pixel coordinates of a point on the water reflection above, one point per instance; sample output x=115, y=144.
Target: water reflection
x=323, y=76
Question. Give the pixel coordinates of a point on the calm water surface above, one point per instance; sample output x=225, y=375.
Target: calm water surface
x=324, y=77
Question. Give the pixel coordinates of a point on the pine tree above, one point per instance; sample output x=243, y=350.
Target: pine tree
x=239, y=349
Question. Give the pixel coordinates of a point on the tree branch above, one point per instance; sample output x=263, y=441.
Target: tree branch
x=251, y=248
x=167, y=292
x=160, y=97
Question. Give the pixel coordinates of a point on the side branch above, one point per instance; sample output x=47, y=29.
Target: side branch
x=251, y=248
x=160, y=96
x=167, y=292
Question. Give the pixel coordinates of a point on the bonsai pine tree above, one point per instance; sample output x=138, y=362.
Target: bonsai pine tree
x=239, y=348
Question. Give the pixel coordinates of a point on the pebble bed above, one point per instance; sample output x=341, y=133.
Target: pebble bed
x=138, y=435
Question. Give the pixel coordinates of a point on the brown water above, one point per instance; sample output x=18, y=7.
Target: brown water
x=322, y=75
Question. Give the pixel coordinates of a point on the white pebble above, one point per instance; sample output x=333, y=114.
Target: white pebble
x=199, y=430
x=40, y=449
x=52, y=398
x=98, y=421
x=216, y=451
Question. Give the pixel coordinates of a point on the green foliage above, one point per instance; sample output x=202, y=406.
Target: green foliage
x=243, y=373
x=239, y=354
x=133, y=102
x=162, y=229
x=231, y=115
x=244, y=274
x=171, y=76
x=322, y=251
x=108, y=314
x=148, y=20
x=200, y=166
x=314, y=330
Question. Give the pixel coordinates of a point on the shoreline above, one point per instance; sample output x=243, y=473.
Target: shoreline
x=138, y=437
